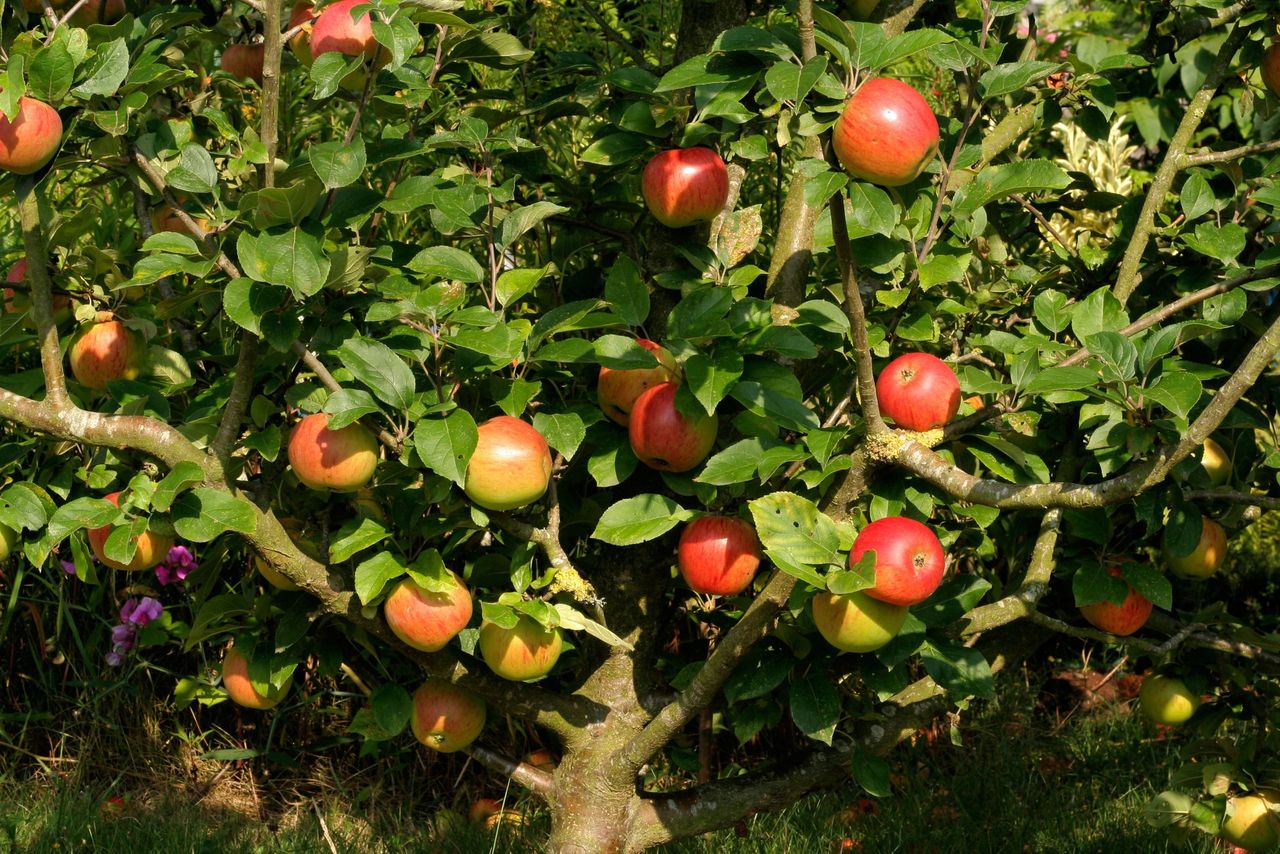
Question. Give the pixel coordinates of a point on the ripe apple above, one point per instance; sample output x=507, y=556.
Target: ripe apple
x=165, y=218
x=511, y=465
x=336, y=31
x=152, y=547
x=426, y=620
x=1166, y=700
x=666, y=439
x=446, y=717
x=90, y=13
x=235, y=678
x=1216, y=462
x=1206, y=558
x=105, y=352
x=300, y=44
x=525, y=652
x=1271, y=68
x=887, y=134
x=341, y=460
x=718, y=555
x=305, y=544
x=29, y=141
x=1251, y=823
x=483, y=809
x=854, y=622
x=542, y=759
x=8, y=542
x=17, y=301
x=1124, y=619
x=910, y=561
x=617, y=389
x=244, y=60
x=682, y=186
x=918, y=391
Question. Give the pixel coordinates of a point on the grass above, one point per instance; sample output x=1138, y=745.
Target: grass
x=1017, y=783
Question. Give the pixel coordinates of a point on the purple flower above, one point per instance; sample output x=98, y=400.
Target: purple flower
x=114, y=659
x=141, y=612
x=179, y=563
x=69, y=567
x=123, y=635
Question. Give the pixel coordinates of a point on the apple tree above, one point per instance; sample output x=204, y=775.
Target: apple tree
x=610, y=366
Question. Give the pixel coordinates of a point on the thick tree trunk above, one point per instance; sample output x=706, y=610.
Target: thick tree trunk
x=592, y=802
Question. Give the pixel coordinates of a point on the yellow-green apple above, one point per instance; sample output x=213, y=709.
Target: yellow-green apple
x=1166, y=700
x=243, y=60
x=1271, y=68
x=666, y=439
x=1251, y=823
x=682, y=186
x=336, y=31
x=8, y=541
x=305, y=544
x=235, y=678
x=910, y=561
x=1123, y=619
x=152, y=547
x=29, y=141
x=854, y=622
x=424, y=619
x=446, y=717
x=617, y=389
x=887, y=134
x=718, y=555
x=526, y=651
x=105, y=352
x=1206, y=558
x=510, y=467
x=918, y=391
x=300, y=44
x=1216, y=463
x=341, y=460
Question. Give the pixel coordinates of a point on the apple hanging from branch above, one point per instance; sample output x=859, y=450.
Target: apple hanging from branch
x=342, y=460
x=718, y=555
x=510, y=467
x=887, y=133
x=909, y=559
x=918, y=391
x=666, y=439
x=683, y=186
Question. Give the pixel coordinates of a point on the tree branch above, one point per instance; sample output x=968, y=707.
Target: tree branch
x=1205, y=158
x=534, y=779
x=31, y=218
x=1266, y=502
x=857, y=320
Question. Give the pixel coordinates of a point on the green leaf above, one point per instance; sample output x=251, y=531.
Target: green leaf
x=815, y=707
x=639, y=519
x=373, y=575
x=1009, y=77
x=871, y=209
x=574, y=620
x=348, y=405
x=625, y=290
x=446, y=444
x=183, y=476
x=565, y=431
x=446, y=262
x=959, y=669
x=356, y=536
x=758, y=674
x=338, y=164
x=392, y=707
x=292, y=259
x=381, y=369
x=1098, y=312
x=200, y=515
x=1062, y=379
x=735, y=464
x=195, y=171
x=780, y=408
x=623, y=353
x=491, y=48
x=1223, y=242
x=1051, y=310
x=1092, y=583
x=517, y=283
x=707, y=69
x=521, y=220
x=794, y=528
x=50, y=73
x=106, y=70
x=1151, y=583
x=1196, y=197
x=998, y=182
x=613, y=460
x=872, y=774
x=1176, y=392
x=616, y=149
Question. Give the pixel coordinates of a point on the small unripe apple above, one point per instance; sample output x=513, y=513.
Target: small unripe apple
x=682, y=186
x=29, y=141
x=1123, y=619
x=1251, y=823
x=887, y=134
x=718, y=555
x=1216, y=463
x=244, y=60
x=1271, y=68
x=1166, y=700
x=524, y=652
x=336, y=31
x=152, y=546
x=341, y=460
x=235, y=678
x=910, y=561
x=426, y=620
x=854, y=622
x=1206, y=558
x=105, y=352
x=617, y=389
x=510, y=467
x=446, y=717
x=300, y=44
x=8, y=542
x=918, y=391
x=664, y=438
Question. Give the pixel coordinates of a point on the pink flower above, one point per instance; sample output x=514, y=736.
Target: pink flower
x=141, y=612
x=179, y=563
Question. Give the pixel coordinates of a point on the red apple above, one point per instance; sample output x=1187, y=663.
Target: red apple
x=854, y=622
x=682, y=186
x=426, y=620
x=342, y=460
x=152, y=546
x=542, y=759
x=243, y=60
x=1216, y=463
x=1206, y=558
x=1124, y=619
x=105, y=352
x=335, y=31
x=446, y=717
x=666, y=439
x=1271, y=68
x=617, y=389
x=511, y=465
x=527, y=651
x=300, y=44
x=18, y=301
x=483, y=809
x=235, y=678
x=910, y=561
x=887, y=134
x=29, y=141
x=718, y=555
x=918, y=391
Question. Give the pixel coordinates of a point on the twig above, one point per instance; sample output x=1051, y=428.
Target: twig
x=534, y=779
x=1266, y=502
x=1206, y=157
x=312, y=361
